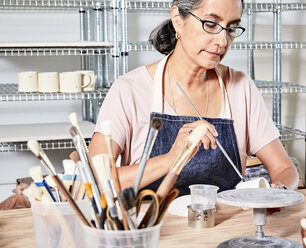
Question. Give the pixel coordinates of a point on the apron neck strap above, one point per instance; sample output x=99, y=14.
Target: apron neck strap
x=157, y=99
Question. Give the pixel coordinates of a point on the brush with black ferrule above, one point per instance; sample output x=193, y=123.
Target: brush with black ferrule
x=36, y=149
x=128, y=196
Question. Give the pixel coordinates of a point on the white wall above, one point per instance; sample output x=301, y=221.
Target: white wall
x=65, y=26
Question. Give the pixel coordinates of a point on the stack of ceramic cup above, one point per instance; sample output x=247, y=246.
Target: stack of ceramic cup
x=67, y=82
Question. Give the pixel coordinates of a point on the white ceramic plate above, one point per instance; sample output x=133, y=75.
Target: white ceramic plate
x=179, y=206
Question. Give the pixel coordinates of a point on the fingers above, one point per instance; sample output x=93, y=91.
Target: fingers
x=209, y=138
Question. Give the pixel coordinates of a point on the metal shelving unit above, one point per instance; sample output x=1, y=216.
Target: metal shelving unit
x=9, y=93
x=46, y=145
x=94, y=50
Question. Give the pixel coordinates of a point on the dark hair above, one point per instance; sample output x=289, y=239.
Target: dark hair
x=163, y=36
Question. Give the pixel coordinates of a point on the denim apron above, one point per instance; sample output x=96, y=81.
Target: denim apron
x=207, y=166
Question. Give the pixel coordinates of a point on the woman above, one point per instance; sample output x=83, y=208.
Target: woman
x=195, y=40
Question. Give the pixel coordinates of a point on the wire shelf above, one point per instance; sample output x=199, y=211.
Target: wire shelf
x=131, y=5
x=46, y=145
x=288, y=133
x=9, y=92
x=269, y=7
x=149, y=5
x=270, y=87
x=53, y=4
x=137, y=46
x=21, y=52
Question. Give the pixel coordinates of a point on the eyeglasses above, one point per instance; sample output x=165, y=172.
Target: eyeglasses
x=215, y=28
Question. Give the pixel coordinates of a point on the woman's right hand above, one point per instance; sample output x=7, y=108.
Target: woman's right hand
x=208, y=139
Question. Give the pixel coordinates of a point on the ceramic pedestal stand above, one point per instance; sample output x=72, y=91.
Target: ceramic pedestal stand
x=260, y=199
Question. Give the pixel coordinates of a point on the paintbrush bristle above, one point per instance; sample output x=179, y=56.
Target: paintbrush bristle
x=197, y=134
x=74, y=156
x=36, y=174
x=106, y=127
x=69, y=167
x=34, y=146
x=50, y=181
x=74, y=119
x=33, y=192
x=101, y=164
x=157, y=123
x=73, y=131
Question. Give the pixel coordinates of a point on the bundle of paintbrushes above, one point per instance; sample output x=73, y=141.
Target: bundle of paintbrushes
x=111, y=207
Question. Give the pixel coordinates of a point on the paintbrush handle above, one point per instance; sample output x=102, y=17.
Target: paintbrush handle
x=163, y=190
x=116, y=181
x=72, y=203
x=163, y=208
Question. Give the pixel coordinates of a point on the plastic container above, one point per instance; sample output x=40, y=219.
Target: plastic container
x=140, y=238
x=199, y=218
x=55, y=223
x=203, y=195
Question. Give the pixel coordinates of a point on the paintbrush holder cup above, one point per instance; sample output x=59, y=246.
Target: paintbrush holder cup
x=141, y=238
x=55, y=223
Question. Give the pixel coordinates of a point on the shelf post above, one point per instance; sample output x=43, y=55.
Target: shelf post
x=124, y=47
x=277, y=63
x=116, y=54
x=250, y=37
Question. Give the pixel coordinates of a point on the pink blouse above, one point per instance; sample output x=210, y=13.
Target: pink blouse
x=128, y=103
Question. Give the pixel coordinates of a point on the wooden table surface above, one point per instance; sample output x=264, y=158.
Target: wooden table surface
x=16, y=227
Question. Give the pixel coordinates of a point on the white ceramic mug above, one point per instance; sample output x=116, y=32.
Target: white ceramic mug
x=48, y=82
x=88, y=80
x=28, y=81
x=72, y=81
x=260, y=182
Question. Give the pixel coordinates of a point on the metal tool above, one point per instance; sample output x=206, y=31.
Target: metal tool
x=217, y=142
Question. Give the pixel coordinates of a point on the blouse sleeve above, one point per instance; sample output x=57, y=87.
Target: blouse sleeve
x=261, y=128
x=115, y=109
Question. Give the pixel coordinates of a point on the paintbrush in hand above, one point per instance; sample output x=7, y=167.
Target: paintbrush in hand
x=169, y=181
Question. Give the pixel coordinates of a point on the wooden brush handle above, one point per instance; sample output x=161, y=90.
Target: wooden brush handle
x=163, y=190
x=72, y=203
x=163, y=208
x=116, y=181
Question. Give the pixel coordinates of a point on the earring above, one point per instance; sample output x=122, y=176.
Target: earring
x=177, y=36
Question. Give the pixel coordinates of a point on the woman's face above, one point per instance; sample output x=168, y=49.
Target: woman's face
x=205, y=49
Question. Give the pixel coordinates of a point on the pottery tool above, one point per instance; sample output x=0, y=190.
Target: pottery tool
x=168, y=182
x=101, y=163
x=86, y=162
x=42, y=157
x=217, y=142
x=128, y=196
x=36, y=174
x=106, y=129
